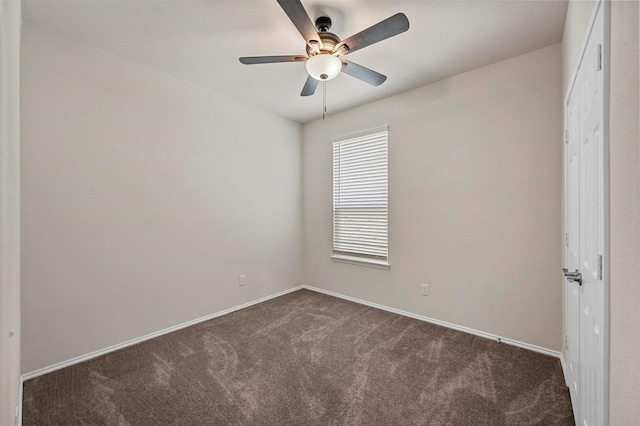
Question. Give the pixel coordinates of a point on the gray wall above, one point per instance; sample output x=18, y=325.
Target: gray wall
x=624, y=151
x=144, y=198
x=475, y=194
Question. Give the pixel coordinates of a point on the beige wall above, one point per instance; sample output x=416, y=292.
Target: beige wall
x=475, y=192
x=10, y=21
x=575, y=27
x=144, y=198
x=624, y=149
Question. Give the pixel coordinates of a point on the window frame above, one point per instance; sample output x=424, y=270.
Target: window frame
x=343, y=256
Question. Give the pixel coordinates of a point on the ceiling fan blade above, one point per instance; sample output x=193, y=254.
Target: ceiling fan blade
x=295, y=11
x=309, y=86
x=390, y=27
x=363, y=73
x=252, y=60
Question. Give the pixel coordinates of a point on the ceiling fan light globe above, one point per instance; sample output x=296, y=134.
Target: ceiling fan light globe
x=324, y=66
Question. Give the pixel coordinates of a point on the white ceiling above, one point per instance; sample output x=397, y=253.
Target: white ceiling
x=200, y=41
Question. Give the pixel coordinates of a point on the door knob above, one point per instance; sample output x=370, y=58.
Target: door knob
x=573, y=276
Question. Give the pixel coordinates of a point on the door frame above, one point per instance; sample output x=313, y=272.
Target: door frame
x=11, y=388
x=604, y=7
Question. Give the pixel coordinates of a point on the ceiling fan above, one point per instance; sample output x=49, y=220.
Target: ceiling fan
x=325, y=51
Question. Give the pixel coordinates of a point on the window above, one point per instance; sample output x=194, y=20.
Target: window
x=360, y=198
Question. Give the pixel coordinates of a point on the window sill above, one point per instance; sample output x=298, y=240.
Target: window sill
x=371, y=263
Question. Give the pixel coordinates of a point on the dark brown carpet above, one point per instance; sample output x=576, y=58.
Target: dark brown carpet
x=306, y=359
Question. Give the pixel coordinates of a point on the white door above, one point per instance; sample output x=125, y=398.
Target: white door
x=572, y=241
x=592, y=299
x=586, y=310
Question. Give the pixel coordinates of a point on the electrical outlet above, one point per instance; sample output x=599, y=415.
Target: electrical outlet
x=242, y=280
x=424, y=289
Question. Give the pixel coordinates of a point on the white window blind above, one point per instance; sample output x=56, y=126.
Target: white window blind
x=360, y=196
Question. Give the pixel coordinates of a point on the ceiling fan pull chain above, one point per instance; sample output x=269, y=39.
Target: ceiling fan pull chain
x=324, y=98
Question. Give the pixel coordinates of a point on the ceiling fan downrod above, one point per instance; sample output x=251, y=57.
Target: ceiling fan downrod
x=323, y=24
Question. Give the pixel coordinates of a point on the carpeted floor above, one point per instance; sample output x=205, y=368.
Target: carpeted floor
x=306, y=359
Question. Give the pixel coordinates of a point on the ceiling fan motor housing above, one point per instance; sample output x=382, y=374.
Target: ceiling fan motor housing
x=329, y=43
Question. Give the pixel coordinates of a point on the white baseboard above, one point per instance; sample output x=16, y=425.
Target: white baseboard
x=499, y=339
x=564, y=369
x=141, y=339
x=82, y=358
